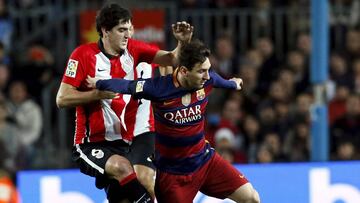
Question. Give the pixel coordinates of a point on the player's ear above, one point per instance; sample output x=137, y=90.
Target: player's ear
x=104, y=31
x=183, y=70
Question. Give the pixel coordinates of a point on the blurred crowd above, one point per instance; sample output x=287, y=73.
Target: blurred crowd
x=268, y=121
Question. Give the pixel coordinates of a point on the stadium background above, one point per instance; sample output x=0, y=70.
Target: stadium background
x=267, y=43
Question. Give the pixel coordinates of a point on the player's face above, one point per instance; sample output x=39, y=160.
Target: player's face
x=197, y=77
x=119, y=35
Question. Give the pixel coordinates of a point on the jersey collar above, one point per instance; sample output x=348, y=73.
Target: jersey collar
x=102, y=49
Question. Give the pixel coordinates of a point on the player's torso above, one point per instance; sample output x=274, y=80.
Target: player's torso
x=179, y=123
x=110, y=119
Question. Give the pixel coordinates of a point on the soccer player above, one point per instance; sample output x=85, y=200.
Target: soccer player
x=106, y=123
x=185, y=162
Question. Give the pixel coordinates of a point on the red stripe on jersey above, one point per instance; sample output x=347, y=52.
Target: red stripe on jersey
x=184, y=131
x=179, y=152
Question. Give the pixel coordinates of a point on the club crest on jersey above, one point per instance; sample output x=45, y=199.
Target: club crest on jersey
x=140, y=86
x=97, y=153
x=200, y=94
x=186, y=99
x=71, y=68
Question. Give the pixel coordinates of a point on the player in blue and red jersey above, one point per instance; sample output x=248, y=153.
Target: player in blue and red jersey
x=104, y=143
x=185, y=162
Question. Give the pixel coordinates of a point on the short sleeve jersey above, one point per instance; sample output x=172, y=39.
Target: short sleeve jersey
x=109, y=119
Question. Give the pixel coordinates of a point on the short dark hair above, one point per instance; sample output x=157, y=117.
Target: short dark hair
x=109, y=16
x=193, y=53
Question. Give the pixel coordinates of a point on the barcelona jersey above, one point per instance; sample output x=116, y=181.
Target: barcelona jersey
x=179, y=113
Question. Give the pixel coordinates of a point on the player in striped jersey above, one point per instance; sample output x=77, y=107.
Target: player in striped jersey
x=185, y=162
x=105, y=122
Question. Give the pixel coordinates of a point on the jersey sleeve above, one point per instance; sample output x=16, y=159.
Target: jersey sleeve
x=143, y=51
x=75, y=71
x=150, y=89
x=220, y=82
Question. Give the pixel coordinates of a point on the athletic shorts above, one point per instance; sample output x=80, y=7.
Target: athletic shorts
x=92, y=157
x=217, y=178
x=142, y=149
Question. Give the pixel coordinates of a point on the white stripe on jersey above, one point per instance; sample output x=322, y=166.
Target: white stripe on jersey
x=142, y=125
x=127, y=64
x=111, y=120
x=88, y=161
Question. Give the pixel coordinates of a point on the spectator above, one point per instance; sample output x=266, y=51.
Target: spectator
x=225, y=56
x=269, y=69
x=28, y=118
x=264, y=154
x=297, y=142
x=225, y=146
x=339, y=71
x=230, y=118
x=9, y=139
x=4, y=59
x=356, y=75
x=337, y=106
x=352, y=44
x=296, y=62
x=251, y=131
x=345, y=151
x=4, y=76
x=348, y=126
x=301, y=110
x=272, y=140
x=6, y=26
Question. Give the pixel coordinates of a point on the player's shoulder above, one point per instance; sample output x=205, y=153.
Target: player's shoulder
x=86, y=49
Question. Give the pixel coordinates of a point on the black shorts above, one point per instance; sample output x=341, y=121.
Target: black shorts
x=142, y=149
x=92, y=157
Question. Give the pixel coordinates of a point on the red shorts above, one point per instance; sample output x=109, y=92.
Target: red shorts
x=217, y=178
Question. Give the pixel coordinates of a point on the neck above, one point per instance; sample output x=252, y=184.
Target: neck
x=181, y=79
x=108, y=48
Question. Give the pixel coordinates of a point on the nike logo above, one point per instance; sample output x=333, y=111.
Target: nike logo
x=241, y=176
x=168, y=102
x=100, y=69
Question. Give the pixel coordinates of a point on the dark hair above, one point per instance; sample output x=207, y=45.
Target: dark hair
x=110, y=16
x=193, y=53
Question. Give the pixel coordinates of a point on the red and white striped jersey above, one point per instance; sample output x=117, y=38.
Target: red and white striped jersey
x=110, y=119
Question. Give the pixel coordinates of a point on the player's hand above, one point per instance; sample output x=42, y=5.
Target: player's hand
x=238, y=81
x=182, y=31
x=91, y=82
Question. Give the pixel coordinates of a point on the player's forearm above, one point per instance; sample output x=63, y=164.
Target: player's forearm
x=115, y=85
x=220, y=82
x=73, y=98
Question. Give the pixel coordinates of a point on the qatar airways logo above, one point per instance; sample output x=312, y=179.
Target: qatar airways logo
x=185, y=115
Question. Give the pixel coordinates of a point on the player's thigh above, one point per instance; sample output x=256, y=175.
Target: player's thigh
x=222, y=179
x=175, y=188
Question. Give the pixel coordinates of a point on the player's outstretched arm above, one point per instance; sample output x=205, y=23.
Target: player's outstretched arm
x=220, y=82
x=151, y=88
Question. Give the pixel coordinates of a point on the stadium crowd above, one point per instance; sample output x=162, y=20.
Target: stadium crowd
x=268, y=121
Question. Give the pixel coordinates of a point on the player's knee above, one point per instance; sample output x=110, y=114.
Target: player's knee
x=245, y=194
x=118, y=167
x=255, y=198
